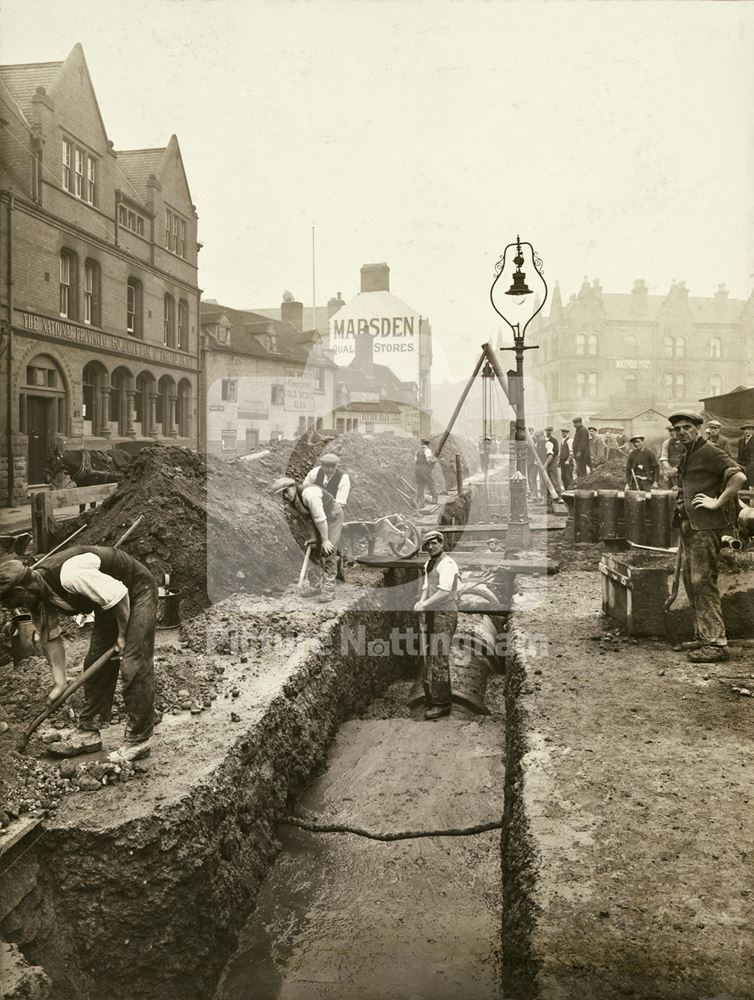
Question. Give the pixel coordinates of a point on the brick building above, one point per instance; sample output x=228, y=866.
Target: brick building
x=266, y=379
x=603, y=353
x=98, y=278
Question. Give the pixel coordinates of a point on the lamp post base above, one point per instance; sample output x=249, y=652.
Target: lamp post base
x=518, y=534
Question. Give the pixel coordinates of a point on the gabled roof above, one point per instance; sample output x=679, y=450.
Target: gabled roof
x=381, y=377
x=246, y=329
x=627, y=412
x=624, y=307
x=22, y=82
x=136, y=165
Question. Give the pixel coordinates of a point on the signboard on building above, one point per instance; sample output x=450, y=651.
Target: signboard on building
x=392, y=326
x=632, y=363
x=299, y=394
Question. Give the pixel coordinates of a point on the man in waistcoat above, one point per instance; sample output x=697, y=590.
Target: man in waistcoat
x=642, y=467
x=707, y=480
x=424, y=463
x=439, y=604
x=323, y=516
x=123, y=596
x=670, y=456
x=746, y=451
x=335, y=481
x=565, y=460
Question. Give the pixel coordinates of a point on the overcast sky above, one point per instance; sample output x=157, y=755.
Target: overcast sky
x=618, y=137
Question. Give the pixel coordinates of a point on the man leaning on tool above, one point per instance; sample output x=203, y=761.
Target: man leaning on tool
x=123, y=596
x=324, y=518
x=707, y=480
x=439, y=603
x=336, y=481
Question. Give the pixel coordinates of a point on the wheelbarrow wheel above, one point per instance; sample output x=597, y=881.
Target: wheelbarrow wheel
x=408, y=546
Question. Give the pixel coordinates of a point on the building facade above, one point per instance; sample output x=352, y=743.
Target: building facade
x=265, y=379
x=606, y=353
x=99, y=300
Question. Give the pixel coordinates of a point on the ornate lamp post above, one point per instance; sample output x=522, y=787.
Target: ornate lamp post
x=517, y=305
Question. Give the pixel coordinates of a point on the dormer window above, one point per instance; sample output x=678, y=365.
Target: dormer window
x=270, y=343
x=128, y=219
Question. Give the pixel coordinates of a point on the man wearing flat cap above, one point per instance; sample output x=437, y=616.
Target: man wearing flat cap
x=746, y=451
x=439, y=604
x=334, y=480
x=424, y=462
x=580, y=447
x=565, y=460
x=715, y=437
x=642, y=467
x=707, y=480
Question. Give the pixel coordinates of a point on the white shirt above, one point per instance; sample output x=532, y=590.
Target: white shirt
x=82, y=575
x=344, y=486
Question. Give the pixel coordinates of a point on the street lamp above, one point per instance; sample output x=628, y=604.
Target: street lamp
x=518, y=304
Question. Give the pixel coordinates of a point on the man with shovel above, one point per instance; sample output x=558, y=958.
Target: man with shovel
x=324, y=518
x=123, y=596
x=707, y=480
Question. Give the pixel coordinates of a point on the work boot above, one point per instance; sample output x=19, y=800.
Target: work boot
x=710, y=654
x=308, y=590
x=78, y=743
x=691, y=644
x=436, y=712
x=328, y=591
x=131, y=752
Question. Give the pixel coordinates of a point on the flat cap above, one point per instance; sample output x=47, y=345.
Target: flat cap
x=714, y=423
x=433, y=535
x=329, y=459
x=548, y=428
x=747, y=423
x=282, y=484
x=691, y=415
x=636, y=437
x=12, y=572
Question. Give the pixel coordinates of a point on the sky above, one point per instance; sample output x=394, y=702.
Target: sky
x=617, y=137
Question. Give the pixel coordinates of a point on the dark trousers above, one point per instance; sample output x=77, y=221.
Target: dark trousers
x=581, y=465
x=136, y=666
x=700, y=552
x=441, y=627
x=424, y=481
x=566, y=475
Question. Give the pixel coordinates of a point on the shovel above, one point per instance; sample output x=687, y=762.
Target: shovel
x=304, y=566
x=65, y=695
x=673, y=592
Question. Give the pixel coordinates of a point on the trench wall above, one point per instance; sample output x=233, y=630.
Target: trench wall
x=150, y=903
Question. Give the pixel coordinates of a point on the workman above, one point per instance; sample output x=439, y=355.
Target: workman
x=746, y=451
x=335, y=481
x=580, y=447
x=670, y=455
x=642, y=467
x=123, y=596
x=707, y=480
x=439, y=605
x=323, y=516
x=597, y=447
x=424, y=463
x=715, y=437
x=549, y=458
x=565, y=459
x=532, y=469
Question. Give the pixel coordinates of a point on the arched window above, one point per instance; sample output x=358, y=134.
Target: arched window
x=716, y=384
x=716, y=348
x=581, y=385
x=668, y=345
x=667, y=381
x=592, y=344
x=580, y=345
x=92, y=293
x=631, y=384
x=183, y=408
x=94, y=413
x=680, y=347
x=117, y=393
x=679, y=386
x=168, y=326
x=68, y=284
x=134, y=308
x=183, y=325
x=630, y=346
x=591, y=384
x=165, y=390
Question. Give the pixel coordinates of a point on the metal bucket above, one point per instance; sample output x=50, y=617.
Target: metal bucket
x=168, y=613
x=22, y=637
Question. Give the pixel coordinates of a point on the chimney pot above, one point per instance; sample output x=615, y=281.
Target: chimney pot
x=375, y=278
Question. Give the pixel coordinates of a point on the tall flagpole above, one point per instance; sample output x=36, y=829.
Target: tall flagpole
x=314, y=285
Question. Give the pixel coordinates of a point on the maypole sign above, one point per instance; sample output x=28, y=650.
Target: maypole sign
x=392, y=326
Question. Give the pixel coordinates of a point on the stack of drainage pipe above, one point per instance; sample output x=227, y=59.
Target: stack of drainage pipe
x=612, y=516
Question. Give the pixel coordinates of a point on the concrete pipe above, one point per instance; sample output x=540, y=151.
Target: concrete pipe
x=585, y=526
x=610, y=515
x=636, y=504
x=660, y=505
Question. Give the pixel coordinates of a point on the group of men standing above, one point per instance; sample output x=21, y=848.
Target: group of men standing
x=562, y=460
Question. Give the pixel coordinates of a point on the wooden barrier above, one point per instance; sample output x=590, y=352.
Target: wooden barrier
x=45, y=502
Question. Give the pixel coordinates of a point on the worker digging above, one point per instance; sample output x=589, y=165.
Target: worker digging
x=438, y=605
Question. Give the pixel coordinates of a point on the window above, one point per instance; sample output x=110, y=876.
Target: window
x=277, y=395
x=667, y=347
x=78, y=180
x=630, y=346
x=229, y=390
x=117, y=394
x=716, y=384
x=592, y=345
x=228, y=440
x=91, y=177
x=631, y=383
x=675, y=385
x=91, y=293
x=580, y=345
x=183, y=408
x=581, y=384
x=183, y=325
x=175, y=233
x=168, y=325
x=591, y=384
x=68, y=269
x=680, y=347
x=716, y=348
x=67, y=165
x=319, y=379
x=128, y=219
x=134, y=307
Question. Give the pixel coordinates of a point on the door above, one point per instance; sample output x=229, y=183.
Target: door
x=37, y=429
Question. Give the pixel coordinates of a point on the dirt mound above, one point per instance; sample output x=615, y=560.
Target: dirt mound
x=607, y=476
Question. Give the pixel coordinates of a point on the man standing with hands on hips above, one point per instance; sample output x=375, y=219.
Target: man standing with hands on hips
x=439, y=603
x=707, y=480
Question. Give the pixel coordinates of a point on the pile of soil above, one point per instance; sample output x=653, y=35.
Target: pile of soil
x=607, y=476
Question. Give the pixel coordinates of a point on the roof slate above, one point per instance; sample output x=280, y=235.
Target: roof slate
x=136, y=165
x=22, y=82
x=245, y=329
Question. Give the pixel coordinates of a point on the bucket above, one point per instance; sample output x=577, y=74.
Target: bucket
x=22, y=637
x=168, y=613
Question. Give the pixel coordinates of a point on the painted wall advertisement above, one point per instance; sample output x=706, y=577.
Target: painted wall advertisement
x=392, y=326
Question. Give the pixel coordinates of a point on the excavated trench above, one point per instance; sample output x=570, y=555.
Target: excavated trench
x=147, y=889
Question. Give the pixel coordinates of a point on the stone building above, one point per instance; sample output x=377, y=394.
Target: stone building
x=99, y=298
x=266, y=379
x=603, y=353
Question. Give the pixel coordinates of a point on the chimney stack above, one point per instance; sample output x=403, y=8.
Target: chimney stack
x=333, y=305
x=375, y=278
x=293, y=312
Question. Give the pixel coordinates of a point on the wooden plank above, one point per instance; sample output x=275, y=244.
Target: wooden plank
x=81, y=495
x=17, y=830
x=468, y=560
